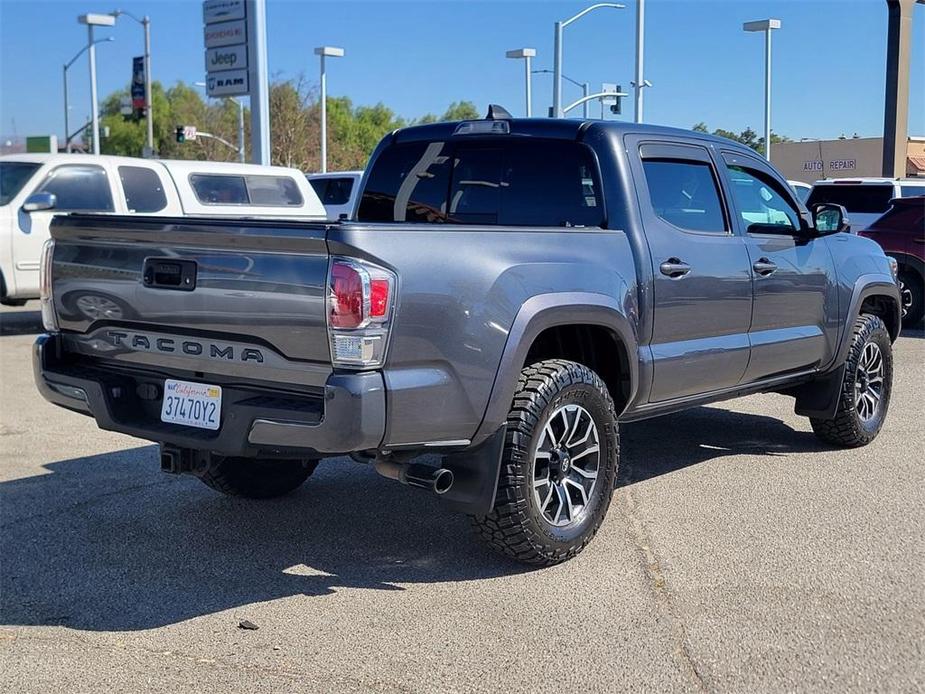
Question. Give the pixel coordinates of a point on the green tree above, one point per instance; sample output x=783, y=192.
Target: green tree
x=747, y=137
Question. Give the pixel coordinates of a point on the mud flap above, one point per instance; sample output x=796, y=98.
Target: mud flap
x=819, y=398
x=475, y=476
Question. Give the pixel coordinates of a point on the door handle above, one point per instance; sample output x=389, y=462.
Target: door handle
x=674, y=268
x=764, y=267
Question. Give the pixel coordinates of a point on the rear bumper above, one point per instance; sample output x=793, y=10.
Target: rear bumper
x=347, y=415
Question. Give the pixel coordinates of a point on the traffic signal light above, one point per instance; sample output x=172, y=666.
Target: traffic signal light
x=181, y=137
x=617, y=108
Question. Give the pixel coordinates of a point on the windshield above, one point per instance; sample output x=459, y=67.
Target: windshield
x=854, y=197
x=13, y=176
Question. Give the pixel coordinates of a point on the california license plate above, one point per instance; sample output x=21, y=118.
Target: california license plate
x=192, y=404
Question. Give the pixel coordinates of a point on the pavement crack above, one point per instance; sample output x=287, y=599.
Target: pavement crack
x=655, y=580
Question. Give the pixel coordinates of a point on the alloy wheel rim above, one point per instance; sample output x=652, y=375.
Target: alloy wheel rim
x=905, y=298
x=95, y=307
x=868, y=382
x=566, y=463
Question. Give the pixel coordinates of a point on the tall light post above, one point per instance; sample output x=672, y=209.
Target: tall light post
x=640, y=82
x=325, y=52
x=67, y=108
x=92, y=20
x=240, y=104
x=149, y=105
x=585, y=87
x=557, y=66
x=527, y=54
x=766, y=26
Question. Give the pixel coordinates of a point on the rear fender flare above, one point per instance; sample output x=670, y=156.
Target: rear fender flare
x=546, y=311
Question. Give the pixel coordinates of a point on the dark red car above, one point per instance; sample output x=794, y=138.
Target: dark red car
x=901, y=234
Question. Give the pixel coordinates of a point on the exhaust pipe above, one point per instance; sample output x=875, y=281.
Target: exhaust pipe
x=437, y=480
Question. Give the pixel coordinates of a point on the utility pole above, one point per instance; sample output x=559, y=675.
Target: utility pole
x=766, y=26
x=557, y=53
x=259, y=82
x=640, y=52
x=92, y=20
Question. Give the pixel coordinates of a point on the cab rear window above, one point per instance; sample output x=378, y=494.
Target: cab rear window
x=264, y=191
x=540, y=183
x=854, y=197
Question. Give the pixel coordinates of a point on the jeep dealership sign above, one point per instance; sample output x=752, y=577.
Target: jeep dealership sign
x=225, y=38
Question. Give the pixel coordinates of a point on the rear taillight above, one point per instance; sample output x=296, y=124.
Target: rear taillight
x=49, y=320
x=360, y=298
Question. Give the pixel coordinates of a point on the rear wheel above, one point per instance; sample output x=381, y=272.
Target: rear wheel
x=868, y=382
x=559, y=465
x=257, y=478
x=911, y=298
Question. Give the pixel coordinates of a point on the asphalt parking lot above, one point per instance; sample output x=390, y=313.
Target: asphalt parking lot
x=740, y=555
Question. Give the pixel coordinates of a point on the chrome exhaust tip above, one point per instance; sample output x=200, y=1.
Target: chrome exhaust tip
x=437, y=480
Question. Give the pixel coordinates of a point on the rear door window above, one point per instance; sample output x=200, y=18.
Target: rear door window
x=264, y=191
x=684, y=193
x=144, y=191
x=548, y=183
x=79, y=187
x=854, y=197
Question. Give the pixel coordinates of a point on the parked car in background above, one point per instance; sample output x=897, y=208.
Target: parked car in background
x=337, y=191
x=901, y=234
x=865, y=199
x=801, y=189
x=35, y=187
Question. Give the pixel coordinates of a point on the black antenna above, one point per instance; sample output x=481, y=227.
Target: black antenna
x=496, y=112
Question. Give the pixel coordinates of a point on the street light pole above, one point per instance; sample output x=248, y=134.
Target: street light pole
x=149, y=105
x=640, y=48
x=67, y=108
x=324, y=52
x=766, y=26
x=557, y=57
x=92, y=20
x=94, y=108
x=149, y=110
x=527, y=55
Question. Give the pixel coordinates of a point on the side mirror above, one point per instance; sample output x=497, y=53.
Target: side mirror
x=40, y=201
x=829, y=218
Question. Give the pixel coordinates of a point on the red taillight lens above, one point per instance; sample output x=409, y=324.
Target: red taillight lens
x=346, y=305
x=378, y=298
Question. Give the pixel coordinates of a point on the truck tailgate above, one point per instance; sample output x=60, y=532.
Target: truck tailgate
x=248, y=292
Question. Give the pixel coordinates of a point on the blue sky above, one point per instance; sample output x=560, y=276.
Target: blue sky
x=417, y=57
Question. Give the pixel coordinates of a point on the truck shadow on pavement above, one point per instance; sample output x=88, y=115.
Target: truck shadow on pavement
x=108, y=543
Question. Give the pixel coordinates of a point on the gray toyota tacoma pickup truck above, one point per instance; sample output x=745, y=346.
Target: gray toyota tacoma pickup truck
x=506, y=294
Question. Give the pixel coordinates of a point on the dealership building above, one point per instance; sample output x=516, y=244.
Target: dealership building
x=811, y=160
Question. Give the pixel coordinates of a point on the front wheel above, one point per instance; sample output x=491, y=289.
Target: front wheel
x=256, y=478
x=866, y=388
x=559, y=465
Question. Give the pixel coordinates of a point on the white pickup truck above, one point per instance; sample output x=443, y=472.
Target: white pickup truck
x=35, y=187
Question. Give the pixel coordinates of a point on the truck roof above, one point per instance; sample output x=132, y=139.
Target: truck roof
x=559, y=128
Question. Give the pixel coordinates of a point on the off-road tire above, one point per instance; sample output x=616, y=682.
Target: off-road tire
x=516, y=526
x=912, y=283
x=847, y=429
x=256, y=478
